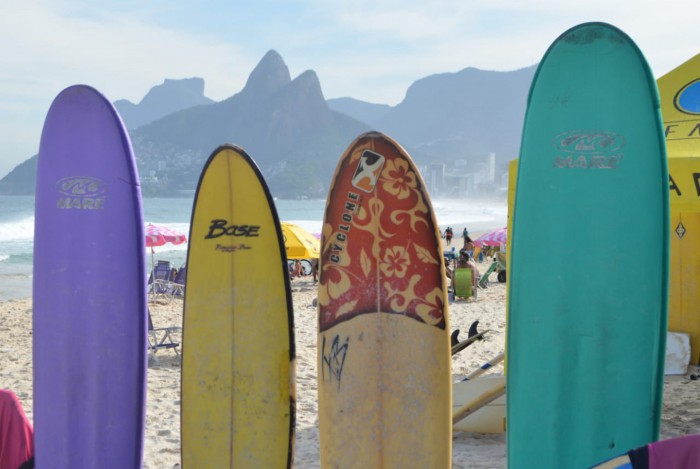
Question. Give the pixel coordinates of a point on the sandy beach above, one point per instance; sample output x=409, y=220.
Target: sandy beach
x=681, y=414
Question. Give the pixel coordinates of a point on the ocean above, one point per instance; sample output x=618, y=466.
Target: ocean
x=17, y=229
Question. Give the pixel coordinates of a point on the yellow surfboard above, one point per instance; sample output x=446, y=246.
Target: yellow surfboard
x=384, y=387
x=238, y=391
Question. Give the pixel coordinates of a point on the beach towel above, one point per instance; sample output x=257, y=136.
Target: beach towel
x=16, y=433
x=681, y=453
x=676, y=453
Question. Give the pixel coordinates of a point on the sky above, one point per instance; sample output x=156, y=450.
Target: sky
x=371, y=50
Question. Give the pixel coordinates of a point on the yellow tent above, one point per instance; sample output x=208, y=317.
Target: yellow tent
x=680, y=105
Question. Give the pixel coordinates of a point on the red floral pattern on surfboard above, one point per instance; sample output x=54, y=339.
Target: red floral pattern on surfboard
x=381, y=250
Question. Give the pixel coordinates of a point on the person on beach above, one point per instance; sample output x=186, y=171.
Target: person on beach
x=465, y=260
x=448, y=272
x=465, y=234
x=476, y=276
x=448, y=235
x=298, y=270
x=16, y=434
x=468, y=246
x=314, y=269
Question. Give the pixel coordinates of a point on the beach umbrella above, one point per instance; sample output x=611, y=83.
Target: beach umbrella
x=157, y=235
x=299, y=243
x=492, y=238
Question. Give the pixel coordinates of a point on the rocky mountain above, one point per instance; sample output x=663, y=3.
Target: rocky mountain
x=284, y=124
x=161, y=100
x=297, y=137
x=21, y=180
x=463, y=115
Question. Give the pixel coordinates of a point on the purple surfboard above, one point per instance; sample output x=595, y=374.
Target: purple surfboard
x=89, y=289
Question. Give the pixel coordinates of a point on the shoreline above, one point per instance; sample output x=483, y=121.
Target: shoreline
x=681, y=409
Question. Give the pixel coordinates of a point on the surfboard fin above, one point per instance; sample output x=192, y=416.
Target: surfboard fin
x=453, y=338
x=472, y=329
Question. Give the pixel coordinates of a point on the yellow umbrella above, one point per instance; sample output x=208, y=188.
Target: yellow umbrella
x=300, y=244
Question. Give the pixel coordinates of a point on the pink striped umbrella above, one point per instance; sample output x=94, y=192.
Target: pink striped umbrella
x=157, y=235
x=493, y=238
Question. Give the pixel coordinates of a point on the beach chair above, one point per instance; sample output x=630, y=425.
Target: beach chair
x=498, y=265
x=501, y=259
x=161, y=338
x=462, y=282
x=160, y=280
x=177, y=287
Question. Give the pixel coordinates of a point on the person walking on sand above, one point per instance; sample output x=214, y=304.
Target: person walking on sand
x=448, y=235
x=465, y=234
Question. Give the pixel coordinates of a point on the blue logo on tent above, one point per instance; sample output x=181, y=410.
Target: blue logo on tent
x=688, y=98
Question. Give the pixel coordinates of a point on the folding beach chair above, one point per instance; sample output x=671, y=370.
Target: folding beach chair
x=177, y=288
x=498, y=265
x=161, y=338
x=462, y=282
x=502, y=266
x=160, y=280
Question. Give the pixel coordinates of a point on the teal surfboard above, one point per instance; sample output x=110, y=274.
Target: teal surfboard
x=589, y=274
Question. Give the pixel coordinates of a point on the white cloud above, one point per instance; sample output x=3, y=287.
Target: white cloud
x=400, y=41
x=47, y=50
x=367, y=49
x=121, y=56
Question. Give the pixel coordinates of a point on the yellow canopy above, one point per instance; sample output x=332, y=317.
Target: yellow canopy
x=300, y=244
x=679, y=90
x=680, y=106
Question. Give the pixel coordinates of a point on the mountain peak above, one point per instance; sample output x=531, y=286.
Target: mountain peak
x=304, y=93
x=269, y=75
x=310, y=84
x=185, y=86
x=161, y=100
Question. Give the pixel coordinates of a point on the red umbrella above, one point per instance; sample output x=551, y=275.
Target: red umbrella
x=157, y=235
x=493, y=238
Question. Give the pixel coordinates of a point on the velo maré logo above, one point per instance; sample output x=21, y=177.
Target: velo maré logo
x=592, y=149
x=81, y=193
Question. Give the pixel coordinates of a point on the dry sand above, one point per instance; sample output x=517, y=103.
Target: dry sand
x=162, y=449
